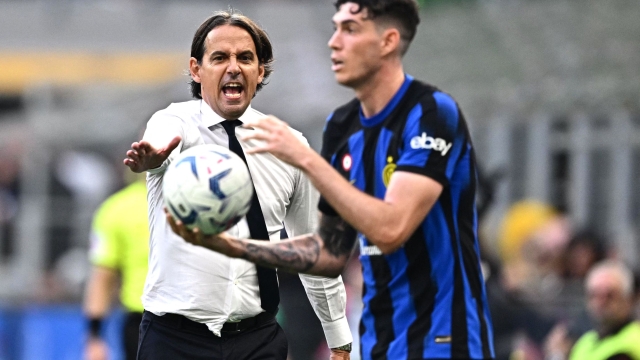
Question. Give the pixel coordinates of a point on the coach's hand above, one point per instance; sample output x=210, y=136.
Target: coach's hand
x=340, y=355
x=143, y=156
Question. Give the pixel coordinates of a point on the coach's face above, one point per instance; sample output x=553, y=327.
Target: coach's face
x=356, y=46
x=229, y=72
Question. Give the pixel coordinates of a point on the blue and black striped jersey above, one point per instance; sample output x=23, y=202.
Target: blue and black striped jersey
x=426, y=300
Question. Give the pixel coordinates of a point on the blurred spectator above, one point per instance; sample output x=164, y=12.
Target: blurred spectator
x=583, y=251
x=532, y=242
x=525, y=284
x=518, y=327
x=533, y=239
x=610, y=300
x=119, y=246
x=520, y=222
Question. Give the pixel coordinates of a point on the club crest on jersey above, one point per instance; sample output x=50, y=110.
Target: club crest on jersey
x=388, y=170
x=347, y=161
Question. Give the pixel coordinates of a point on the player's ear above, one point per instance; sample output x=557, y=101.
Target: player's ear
x=390, y=41
x=194, y=69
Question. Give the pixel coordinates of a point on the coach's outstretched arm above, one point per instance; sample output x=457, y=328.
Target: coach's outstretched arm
x=323, y=253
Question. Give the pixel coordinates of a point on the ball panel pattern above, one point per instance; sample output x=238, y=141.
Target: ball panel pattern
x=208, y=187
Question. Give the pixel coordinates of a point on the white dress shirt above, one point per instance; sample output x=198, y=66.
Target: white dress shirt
x=204, y=285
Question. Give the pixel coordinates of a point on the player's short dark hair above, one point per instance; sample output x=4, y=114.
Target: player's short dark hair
x=402, y=14
x=260, y=39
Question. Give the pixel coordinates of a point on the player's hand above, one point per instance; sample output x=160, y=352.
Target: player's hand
x=143, y=156
x=340, y=355
x=278, y=139
x=96, y=349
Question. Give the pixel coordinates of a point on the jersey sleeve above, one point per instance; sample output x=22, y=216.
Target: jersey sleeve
x=432, y=138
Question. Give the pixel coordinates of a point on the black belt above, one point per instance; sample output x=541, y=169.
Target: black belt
x=181, y=322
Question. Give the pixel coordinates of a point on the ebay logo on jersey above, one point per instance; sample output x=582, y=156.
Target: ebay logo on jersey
x=429, y=142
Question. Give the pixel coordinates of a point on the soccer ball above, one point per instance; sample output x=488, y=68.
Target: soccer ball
x=208, y=187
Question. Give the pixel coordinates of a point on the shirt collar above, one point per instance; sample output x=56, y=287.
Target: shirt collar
x=210, y=117
x=379, y=117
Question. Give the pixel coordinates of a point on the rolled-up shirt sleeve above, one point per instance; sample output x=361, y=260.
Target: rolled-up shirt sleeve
x=328, y=296
x=329, y=300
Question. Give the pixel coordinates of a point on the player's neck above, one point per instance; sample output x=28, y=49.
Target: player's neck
x=376, y=93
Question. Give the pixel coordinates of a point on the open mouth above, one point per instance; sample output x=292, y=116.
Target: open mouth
x=335, y=64
x=232, y=90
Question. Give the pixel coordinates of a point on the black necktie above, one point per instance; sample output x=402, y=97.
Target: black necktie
x=267, y=278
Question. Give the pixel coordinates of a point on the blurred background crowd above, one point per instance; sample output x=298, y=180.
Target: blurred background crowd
x=551, y=91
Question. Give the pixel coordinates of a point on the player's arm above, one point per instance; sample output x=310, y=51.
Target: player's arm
x=324, y=252
x=387, y=223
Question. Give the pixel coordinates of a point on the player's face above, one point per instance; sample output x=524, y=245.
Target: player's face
x=606, y=300
x=356, y=46
x=230, y=71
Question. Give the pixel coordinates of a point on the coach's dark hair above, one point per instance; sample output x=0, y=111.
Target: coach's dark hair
x=402, y=14
x=260, y=39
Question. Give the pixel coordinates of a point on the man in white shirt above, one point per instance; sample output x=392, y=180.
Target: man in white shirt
x=200, y=304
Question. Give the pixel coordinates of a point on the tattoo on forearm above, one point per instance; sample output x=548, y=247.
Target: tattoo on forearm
x=297, y=255
x=324, y=251
x=337, y=234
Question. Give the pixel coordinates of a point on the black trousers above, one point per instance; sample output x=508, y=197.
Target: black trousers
x=130, y=334
x=167, y=339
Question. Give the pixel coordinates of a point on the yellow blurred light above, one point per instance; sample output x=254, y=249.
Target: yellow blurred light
x=19, y=70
